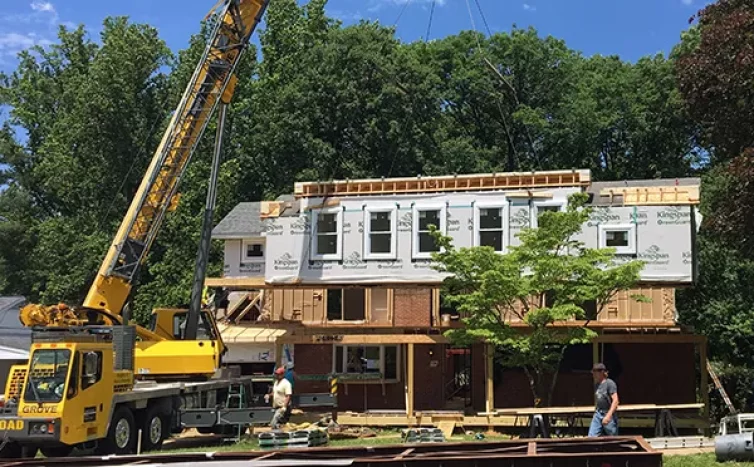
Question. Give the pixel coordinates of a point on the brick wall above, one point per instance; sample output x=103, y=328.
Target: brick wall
x=313, y=359
x=412, y=307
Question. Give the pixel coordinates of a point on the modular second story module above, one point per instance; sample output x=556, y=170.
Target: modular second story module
x=373, y=232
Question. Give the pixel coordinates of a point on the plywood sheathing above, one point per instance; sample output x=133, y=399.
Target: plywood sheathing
x=452, y=183
x=655, y=195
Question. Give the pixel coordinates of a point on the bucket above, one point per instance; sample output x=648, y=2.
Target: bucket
x=738, y=447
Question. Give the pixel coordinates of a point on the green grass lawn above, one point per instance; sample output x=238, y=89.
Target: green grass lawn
x=700, y=460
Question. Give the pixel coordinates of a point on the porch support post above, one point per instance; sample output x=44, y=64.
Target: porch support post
x=278, y=354
x=489, y=375
x=595, y=352
x=410, y=381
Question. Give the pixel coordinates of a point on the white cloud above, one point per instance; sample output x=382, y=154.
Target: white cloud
x=43, y=6
x=528, y=7
x=37, y=25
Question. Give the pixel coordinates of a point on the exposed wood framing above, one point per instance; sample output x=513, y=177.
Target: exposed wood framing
x=410, y=383
x=490, y=380
x=656, y=195
x=331, y=336
x=238, y=283
x=476, y=182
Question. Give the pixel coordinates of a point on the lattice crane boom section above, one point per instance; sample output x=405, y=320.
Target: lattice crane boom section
x=213, y=80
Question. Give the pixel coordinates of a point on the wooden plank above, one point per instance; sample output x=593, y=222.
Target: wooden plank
x=333, y=336
x=391, y=420
x=590, y=409
x=447, y=427
x=489, y=391
x=410, y=376
x=235, y=282
x=472, y=182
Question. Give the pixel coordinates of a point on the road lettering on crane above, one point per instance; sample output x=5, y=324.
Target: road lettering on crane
x=14, y=425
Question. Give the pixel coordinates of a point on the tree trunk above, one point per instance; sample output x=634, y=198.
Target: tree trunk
x=556, y=373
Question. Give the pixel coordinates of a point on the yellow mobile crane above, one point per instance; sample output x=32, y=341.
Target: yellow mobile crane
x=89, y=381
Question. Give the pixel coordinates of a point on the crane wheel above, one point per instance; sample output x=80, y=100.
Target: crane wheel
x=57, y=451
x=155, y=429
x=121, y=437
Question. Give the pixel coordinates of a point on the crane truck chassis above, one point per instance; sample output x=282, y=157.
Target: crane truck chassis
x=59, y=401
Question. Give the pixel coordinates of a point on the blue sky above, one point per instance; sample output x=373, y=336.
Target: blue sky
x=629, y=28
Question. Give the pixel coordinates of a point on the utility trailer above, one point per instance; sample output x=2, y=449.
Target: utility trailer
x=78, y=391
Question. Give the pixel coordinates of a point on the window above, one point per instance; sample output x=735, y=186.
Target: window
x=545, y=206
x=91, y=372
x=425, y=216
x=367, y=359
x=253, y=250
x=48, y=372
x=489, y=226
x=379, y=311
x=346, y=304
x=327, y=234
x=380, y=233
x=203, y=332
x=620, y=237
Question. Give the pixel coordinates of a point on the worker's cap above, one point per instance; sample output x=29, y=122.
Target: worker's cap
x=280, y=371
x=599, y=367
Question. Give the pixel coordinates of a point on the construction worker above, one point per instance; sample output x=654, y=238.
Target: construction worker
x=281, y=399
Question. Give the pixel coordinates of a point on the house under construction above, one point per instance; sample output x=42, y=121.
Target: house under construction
x=338, y=279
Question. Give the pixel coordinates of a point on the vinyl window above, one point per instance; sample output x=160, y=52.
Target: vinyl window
x=253, y=250
x=327, y=234
x=424, y=243
x=380, y=236
x=620, y=237
x=545, y=206
x=490, y=226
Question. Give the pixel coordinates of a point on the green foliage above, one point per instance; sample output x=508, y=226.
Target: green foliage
x=715, y=70
x=545, y=280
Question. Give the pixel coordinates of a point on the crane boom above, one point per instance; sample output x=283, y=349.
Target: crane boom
x=213, y=81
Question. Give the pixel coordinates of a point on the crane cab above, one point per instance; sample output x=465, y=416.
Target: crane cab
x=174, y=356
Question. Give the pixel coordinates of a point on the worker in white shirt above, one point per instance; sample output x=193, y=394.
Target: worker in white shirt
x=281, y=399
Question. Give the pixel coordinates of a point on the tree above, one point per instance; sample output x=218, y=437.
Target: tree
x=80, y=131
x=549, y=278
x=715, y=69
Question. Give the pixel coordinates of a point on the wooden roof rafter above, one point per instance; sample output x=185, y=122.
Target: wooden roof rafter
x=451, y=183
x=655, y=195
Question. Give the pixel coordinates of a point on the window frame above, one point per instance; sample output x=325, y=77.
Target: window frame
x=245, y=243
x=368, y=255
x=443, y=208
x=630, y=228
x=382, y=347
x=504, y=207
x=338, y=255
x=560, y=204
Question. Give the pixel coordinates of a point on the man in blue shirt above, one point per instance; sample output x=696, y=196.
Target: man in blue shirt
x=605, y=421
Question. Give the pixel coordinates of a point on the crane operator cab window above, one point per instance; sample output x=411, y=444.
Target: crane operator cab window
x=48, y=373
x=204, y=331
